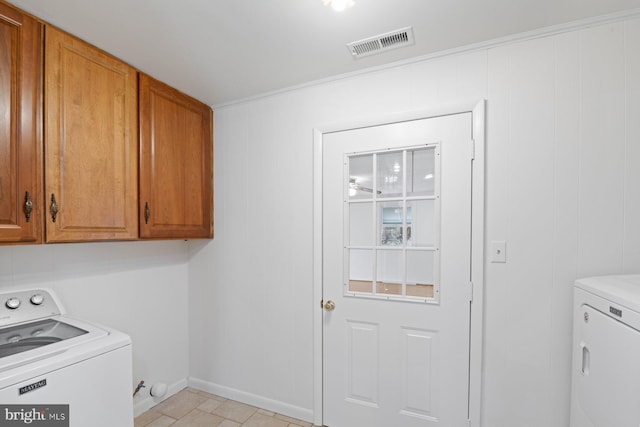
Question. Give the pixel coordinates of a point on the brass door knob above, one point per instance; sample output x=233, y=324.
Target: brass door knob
x=329, y=305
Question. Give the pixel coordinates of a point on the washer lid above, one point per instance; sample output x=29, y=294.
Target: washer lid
x=29, y=336
x=35, y=341
x=623, y=290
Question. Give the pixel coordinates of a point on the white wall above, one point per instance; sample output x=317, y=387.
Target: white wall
x=564, y=191
x=139, y=288
x=562, y=188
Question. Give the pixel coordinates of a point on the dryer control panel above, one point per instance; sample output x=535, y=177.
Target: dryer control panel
x=25, y=306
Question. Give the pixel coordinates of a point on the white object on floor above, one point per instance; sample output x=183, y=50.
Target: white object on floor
x=158, y=390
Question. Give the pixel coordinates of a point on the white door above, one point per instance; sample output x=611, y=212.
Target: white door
x=396, y=274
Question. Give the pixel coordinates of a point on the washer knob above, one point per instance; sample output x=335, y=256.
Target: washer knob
x=37, y=299
x=12, y=303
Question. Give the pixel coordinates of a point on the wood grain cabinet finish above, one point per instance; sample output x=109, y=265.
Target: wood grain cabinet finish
x=20, y=127
x=176, y=164
x=91, y=142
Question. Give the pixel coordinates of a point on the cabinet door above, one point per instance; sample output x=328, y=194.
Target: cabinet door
x=176, y=163
x=20, y=127
x=91, y=142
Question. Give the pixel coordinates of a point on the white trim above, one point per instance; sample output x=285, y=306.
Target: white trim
x=393, y=117
x=317, y=277
x=475, y=47
x=276, y=406
x=477, y=264
x=477, y=238
x=146, y=403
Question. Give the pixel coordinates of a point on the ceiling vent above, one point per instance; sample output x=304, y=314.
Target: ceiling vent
x=377, y=44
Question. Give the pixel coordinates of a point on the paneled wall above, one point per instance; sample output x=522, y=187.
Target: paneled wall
x=251, y=287
x=562, y=188
x=563, y=191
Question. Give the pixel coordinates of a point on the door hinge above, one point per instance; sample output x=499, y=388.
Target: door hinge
x=470, y=291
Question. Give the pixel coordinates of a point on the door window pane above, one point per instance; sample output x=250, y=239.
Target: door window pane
x=360, y=185
x=420, y=273
x=420, y=267
x=421, y=230
x=390, y=226
x=389, y=172
x=361, y=270
x=361, y=224
x=389, y=266
x=421, y=172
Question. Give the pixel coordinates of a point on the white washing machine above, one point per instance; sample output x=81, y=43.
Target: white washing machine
x=605, y=388
x=48, y=361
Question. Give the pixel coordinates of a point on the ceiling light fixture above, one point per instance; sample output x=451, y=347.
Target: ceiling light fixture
x=339, y=5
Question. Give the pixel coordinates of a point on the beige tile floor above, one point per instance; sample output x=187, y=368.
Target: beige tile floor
x=195, y=408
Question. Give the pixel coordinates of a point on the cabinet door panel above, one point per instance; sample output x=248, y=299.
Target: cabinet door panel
x=20, y=127
x=91, y=146
x=176, y=181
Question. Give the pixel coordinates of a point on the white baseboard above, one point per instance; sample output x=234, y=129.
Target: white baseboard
x=283, y=408
x=144, y=401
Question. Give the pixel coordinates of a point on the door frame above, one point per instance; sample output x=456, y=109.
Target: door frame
x=477, y=110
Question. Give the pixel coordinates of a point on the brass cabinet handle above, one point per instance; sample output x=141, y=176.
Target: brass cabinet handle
x=54, y=208
x=28, y=206
x=147, y=212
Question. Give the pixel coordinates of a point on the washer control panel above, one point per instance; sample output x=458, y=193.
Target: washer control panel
x=22, y=306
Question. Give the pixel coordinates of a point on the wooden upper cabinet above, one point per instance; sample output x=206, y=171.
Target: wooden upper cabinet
x=176, y=163
x=91, y=142
x=20, y=127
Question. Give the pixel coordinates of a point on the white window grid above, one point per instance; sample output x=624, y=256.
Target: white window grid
x=375, y=248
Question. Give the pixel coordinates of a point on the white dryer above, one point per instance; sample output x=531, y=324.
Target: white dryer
x=605, y=388
x=49, y=361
